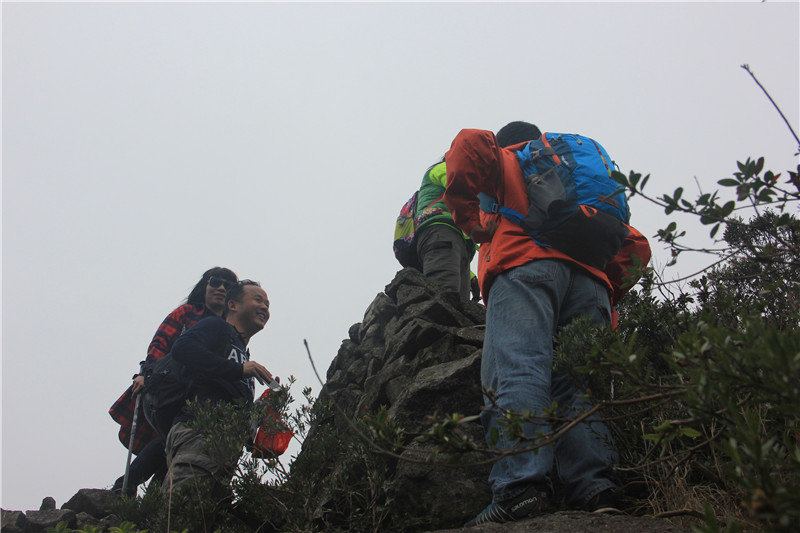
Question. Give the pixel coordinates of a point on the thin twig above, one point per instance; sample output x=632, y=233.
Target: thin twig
x=747, y=68
x=680, y=512
x=350, y=423
x=684, y=278
x=554, y=436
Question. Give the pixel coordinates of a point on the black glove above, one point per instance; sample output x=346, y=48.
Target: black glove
x=475, y=288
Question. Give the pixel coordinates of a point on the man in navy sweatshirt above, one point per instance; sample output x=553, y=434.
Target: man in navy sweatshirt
x=215, y=354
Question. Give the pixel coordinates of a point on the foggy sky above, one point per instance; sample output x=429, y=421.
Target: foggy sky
x=145, y=143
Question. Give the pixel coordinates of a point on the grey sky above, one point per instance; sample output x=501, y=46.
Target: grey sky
x=145, y=143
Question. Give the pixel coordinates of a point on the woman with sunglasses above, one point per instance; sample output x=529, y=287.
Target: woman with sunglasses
x=207, y=298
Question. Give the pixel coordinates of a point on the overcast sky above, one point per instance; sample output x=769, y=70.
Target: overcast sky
x=144, y=143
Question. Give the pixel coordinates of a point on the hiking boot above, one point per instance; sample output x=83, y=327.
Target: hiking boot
x=117, y=488
x=609, y=501
x=527, y=504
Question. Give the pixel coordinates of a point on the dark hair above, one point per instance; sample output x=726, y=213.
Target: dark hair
x=438, y=162
x=517, y=132
x=198, y=294
x=236, y=292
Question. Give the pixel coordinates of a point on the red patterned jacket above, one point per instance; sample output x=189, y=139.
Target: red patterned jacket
x=170, y=329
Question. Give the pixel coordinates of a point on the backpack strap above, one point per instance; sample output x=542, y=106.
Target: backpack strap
x=233, y=338
x=526, y=157
x=549, y=149
x=601, y=157
x=433, y=202
x=489, y=204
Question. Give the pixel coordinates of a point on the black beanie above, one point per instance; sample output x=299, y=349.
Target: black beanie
x=517, y=132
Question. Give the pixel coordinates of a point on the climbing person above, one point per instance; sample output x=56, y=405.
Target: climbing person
x=532, y=290
x=215, y=355
x=444, y=251
x=207, y=298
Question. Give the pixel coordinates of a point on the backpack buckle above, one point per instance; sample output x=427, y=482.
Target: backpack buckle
x=488, y=204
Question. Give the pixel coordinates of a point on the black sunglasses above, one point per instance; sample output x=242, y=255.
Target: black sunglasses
x=215, y=282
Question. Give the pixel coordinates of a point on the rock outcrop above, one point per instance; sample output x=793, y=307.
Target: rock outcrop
x=417, y=352
x=88, y=507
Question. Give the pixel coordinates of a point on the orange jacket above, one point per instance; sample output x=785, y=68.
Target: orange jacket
x=475, y=163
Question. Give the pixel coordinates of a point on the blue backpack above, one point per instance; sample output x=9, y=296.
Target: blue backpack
x=574, y=205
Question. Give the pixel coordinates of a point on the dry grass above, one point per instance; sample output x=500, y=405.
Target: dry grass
x=680, y=490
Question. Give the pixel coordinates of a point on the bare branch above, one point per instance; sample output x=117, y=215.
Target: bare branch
x=747, y=68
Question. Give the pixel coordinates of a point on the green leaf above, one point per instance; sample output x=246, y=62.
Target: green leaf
x=728, y=182
x=663, y=427
x=690, y=432
x=620, y=178
x=770, y=177
x=766, y=195
x=494, y=436
x=727, y=209
x=472, y=418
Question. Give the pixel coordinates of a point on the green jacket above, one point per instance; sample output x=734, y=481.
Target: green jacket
x=431, y=208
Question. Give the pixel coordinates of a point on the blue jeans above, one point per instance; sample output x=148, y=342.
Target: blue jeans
x=527, y=306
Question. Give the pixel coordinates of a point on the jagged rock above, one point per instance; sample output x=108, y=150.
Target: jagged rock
x=416, y=352
x=95, y=502
x=13, y=521
x=48, y=504
x=446, y=388
x=85, y=519
x=436, y=492
x=41, y=520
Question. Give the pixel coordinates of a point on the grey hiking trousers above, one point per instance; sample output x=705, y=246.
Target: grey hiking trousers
x=443, y=253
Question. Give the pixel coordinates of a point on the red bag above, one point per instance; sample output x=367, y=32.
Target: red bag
x=270, y=441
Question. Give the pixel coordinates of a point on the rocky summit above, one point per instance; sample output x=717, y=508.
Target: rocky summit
x=415, y=354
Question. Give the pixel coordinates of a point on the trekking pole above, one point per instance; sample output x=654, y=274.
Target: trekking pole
x=133, y=435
